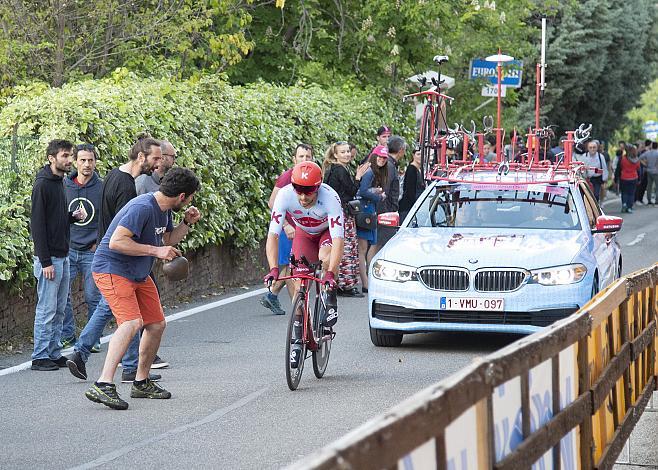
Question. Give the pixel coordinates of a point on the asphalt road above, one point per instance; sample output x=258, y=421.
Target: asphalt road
x=231, y=407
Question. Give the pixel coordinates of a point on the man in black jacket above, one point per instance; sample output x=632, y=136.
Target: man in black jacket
x=50, y=224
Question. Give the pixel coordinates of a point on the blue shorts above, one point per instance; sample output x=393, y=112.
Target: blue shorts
x=285, y=247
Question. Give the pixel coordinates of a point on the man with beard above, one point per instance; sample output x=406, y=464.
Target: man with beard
x=151, y=183
x=83, y=189
x=50, y=226
x=118, y=189
x=142, y=231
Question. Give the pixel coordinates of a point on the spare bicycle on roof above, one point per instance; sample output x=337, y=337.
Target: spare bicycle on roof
x=455, y=153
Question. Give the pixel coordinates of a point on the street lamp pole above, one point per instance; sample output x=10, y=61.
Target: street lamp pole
x=499, y=59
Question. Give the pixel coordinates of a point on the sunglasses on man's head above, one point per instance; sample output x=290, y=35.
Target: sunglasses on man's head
x=304, y=189
x=85, y=147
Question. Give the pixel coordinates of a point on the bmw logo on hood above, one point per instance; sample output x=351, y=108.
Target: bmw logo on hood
x=473, y=261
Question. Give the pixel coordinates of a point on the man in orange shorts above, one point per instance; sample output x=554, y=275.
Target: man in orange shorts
x=141, y=231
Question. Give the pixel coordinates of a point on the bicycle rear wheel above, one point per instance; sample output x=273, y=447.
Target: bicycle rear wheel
x=293, y=376
x=428, y=154
x=321, y=356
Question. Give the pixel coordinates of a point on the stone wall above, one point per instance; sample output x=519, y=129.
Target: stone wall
x=212, y=269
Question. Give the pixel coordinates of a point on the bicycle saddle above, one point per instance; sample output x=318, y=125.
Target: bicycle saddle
x=440, y=59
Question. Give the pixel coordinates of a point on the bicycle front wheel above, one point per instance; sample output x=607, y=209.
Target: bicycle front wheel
x=294, y=375
x=321, y=356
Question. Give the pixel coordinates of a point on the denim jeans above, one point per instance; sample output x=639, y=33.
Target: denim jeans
x=80, y=263
x=93, y=331
x=49, y=314
x=627, y=188
x=652, y=187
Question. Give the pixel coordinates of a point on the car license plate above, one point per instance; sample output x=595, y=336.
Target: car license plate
x=472, y=303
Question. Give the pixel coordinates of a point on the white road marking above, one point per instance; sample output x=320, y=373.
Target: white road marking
x=168, y=318
x=637, y=240
x=109, y=457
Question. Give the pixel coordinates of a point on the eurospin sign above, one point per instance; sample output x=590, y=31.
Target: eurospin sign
x=512, y=75
x=512, y=72
x=650, y=129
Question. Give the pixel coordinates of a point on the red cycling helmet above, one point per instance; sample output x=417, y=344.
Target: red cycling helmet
x=306, y=177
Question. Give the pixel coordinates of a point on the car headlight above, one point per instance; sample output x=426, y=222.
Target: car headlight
x=389, y=271
x=559, y=275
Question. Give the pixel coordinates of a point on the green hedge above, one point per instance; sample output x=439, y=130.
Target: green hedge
x=236, y=139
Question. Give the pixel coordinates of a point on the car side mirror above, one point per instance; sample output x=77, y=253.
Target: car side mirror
x=608, y=224
x=389, y=219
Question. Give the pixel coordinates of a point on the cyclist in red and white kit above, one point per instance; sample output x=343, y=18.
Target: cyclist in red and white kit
x=315, y=207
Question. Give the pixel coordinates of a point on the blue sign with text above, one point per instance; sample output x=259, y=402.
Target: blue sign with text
x=512, y=72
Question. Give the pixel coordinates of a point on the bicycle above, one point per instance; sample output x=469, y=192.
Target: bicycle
x=433, y=121
x=314, y=337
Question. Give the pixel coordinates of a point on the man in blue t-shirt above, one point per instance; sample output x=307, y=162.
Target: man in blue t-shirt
x=140, y=232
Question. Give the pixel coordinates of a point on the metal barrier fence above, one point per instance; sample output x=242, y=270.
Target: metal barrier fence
x=567, y=397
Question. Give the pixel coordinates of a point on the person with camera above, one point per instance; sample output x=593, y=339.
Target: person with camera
x=337, y=175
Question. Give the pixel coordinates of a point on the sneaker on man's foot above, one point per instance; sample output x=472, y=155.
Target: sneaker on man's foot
x=295, y=356
x=149, y=389
x=96, y=348
x=158, y=363
x=77, y=366
x=271, y=301
x=44, y=364
x=67, y=342
x=128, y=377
x=107, y=395
x=61, y=362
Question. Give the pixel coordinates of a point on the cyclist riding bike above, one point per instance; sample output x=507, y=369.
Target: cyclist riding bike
x=315, y=207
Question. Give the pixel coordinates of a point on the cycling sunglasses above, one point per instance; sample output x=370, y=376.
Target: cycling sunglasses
x=305, y=189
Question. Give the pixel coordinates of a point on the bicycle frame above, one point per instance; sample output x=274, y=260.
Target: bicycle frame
x=307, y=334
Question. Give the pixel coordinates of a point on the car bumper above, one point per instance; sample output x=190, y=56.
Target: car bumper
x=411, y=307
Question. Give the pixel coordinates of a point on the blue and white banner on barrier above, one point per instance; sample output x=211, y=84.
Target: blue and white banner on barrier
x=461, y=441
x=568, y=393
x=508, y=430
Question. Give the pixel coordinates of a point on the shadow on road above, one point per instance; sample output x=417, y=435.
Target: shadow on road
x=459, y=341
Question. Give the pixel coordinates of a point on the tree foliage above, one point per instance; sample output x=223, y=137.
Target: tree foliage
x=59, y=40
x=601, y=56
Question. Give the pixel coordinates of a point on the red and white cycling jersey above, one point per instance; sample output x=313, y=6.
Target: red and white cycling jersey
x=326, y=213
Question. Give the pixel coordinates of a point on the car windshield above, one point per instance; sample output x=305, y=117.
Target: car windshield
x=528, y=206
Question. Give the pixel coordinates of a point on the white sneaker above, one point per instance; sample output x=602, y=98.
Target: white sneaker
x=158, y=363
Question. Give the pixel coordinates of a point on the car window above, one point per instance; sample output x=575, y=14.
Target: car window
x=534, y=206
x=592, y=208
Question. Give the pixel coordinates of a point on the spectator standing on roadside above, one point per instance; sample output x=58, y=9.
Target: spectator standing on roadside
x=303, y=153
x=650, y=159
x=629, y=167
x=413, y=184
x=597, y=169
x=50, y=226
x=383, y=134
x=488, y=155
x=396, y=150
x=337, y=175
x=608, y=164
x=83, y=188
x=643, y=178
x=118, y=190
x=141, y=231
x=150, y=183
x=372, y=193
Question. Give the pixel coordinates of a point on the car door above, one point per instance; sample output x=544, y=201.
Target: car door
x=603, y=246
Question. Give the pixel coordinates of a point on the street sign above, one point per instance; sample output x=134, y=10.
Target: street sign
x=492, y=91
x=650, y=129
x=512, y=72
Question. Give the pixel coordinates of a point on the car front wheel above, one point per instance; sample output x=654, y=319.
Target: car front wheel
x=384, y=338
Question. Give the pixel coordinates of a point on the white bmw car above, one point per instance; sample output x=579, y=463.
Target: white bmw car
x=496, y=253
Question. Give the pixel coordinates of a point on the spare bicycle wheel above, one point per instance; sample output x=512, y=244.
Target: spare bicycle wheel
x=293, y=376
x=428, y=154
x=321, y=356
